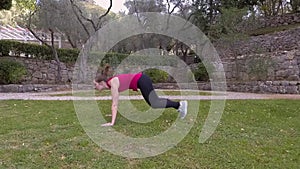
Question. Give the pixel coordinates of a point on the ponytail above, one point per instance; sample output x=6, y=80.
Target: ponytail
x=106, y=70
x=104, y=75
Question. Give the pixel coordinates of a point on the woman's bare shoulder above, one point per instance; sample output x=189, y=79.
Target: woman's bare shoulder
x=114, y=81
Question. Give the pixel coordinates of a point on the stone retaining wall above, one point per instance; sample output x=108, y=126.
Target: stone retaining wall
x=279, y=41
x=275, y=66
x=13, y=88
x=280, y=87
x=283, y=78
x=44, y=71
x=275, y=21
x=282, y=65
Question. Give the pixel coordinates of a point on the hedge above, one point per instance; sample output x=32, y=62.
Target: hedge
x=36, y=51
x=96, y=58
x=11, y=71
x=115, y=59
x=70, y=55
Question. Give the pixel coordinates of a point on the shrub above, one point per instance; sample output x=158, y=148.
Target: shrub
x=156, y=75
x=115, y=59
x=201, y=73
x=6, y=46
x=11, y=71
x=68, y=55
x=37, y=51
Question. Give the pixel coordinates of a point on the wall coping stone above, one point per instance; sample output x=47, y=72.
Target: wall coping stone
x=271, y=87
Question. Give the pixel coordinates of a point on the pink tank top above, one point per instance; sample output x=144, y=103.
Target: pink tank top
x=127, y=81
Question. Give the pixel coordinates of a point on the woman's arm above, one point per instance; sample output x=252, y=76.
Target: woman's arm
x=115, y=83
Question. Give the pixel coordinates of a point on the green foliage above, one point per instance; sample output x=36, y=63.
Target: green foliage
x=5, y=4
x=128, y=61
x=14, y=16
x=239, y=4
x=156, y=75
x=11, y=71
x=68, y=55
x=202, y=72
x=295, y=6
x=115, y=59
x=227, y=24
x=37, y=51
x=26, y=4
x=269, y=30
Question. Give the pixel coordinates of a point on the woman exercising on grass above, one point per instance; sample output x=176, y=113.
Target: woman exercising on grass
x=122, y=82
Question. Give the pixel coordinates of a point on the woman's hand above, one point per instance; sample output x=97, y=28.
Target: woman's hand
x=107, y=124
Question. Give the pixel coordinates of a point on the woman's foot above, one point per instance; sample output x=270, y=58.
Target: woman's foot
x=183, y=109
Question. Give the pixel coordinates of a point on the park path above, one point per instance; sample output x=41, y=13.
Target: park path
x=67, y=95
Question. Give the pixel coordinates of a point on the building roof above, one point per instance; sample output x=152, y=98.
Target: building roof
x=18, y=33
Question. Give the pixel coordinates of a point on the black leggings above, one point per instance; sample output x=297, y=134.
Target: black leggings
x=146, y=87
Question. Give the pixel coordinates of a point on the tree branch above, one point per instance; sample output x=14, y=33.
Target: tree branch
x=136, y=11
x=102, y=16
x=78, y=17
x=96, y=26
x=32, y=32
x=170, y=12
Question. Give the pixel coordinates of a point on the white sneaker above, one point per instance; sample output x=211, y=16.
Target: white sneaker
x=183, y=109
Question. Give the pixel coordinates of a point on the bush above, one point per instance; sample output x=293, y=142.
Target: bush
x=156, y=75
x=37, y=51
x=115, y=59
x=11, y=71
x=6, y=4
x=201, y=73
x=68, y=55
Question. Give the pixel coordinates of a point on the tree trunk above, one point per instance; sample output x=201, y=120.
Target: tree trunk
x=211, y=10
x=55, y=54
x=73, y=44
x=184, y=51
x=83, y=66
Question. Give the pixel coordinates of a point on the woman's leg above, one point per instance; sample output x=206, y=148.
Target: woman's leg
x=150, y=96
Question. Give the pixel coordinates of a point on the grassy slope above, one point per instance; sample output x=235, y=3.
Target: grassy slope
x=269, y=30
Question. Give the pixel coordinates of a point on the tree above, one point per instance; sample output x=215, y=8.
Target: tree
x=69, y=18
x=12, y=16
x=295, y=5
x=96, y=21
x=5, y=4
x=45, y=21
x=272, y=7
x=240, y=4
x=137, y=8
x=18, y=13
x=197, y=14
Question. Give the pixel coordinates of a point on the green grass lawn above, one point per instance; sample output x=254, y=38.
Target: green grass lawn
x=252, y=134
x=89, y=93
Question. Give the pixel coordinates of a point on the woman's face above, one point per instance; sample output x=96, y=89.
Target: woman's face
x=99, y=86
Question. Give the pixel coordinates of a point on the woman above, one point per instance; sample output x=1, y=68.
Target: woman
x=136, y=81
